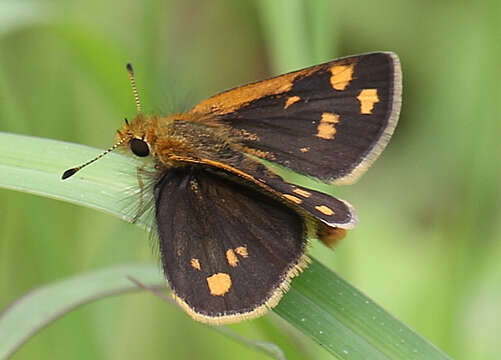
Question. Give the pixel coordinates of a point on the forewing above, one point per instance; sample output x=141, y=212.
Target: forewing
x=228, y=251
x=330, y=121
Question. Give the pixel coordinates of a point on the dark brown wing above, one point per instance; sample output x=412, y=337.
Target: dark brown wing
x=330, y=121
x=228, y=251
x=330, y=210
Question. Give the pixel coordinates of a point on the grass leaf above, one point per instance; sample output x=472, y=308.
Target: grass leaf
x=29, y=314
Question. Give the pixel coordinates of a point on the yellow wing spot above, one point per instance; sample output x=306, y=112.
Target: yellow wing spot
x=367, y=98
x=302, y=193
x=242, y=251
x=195, y=264
x=325, y=128
x=341, y=76
x=305, y=149
x=325, y=210
x=219, y=284
x=291, y=100
x=231, y=258
x=293, y=198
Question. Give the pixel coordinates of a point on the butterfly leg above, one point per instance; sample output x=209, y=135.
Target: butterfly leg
x=140, y=209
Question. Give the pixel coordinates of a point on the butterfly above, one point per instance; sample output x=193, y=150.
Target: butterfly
x=232, y=231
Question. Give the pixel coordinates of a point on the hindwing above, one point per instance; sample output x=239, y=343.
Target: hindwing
x=228, y=251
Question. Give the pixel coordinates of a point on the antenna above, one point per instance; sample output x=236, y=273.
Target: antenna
x=130, y=70
x=72, y=171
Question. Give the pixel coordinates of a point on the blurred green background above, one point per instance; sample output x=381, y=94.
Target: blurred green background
x=428, y=245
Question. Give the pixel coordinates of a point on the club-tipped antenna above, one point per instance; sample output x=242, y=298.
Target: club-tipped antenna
x=72, y=171
x=130, y=71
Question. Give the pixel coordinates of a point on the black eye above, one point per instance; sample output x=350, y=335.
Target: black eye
x=139, y=147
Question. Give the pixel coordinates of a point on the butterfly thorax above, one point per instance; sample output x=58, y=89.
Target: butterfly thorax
x=181, y=138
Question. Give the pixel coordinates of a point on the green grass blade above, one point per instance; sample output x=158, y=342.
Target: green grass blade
x=35, y=165
x=286, y=33
x=346, y=322
x=29, y=314
x=16, y=15
x=320, y=304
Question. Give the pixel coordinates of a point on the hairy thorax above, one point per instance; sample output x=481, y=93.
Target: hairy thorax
x=180, y=138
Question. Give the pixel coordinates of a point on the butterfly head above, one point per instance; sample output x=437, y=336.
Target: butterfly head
x=137, y=136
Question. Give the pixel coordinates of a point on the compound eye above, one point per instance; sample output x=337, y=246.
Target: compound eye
x=139, y=147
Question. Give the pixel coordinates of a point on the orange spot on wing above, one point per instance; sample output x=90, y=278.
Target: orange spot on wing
x=195, y=264
x=302, y=193
x=231, y=258
x=242, y=251
x=293, y=198
x=341, y=76
x=325, y=128
x=325, y=210
x=367, y=98
x=291, y=100
x=304, y=149
x=219, y=284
